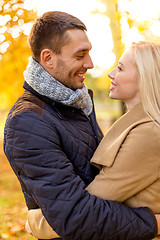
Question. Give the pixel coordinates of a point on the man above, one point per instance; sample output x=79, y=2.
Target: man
x=51, y=133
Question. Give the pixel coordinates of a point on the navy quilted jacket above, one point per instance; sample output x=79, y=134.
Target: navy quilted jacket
x=49, y=146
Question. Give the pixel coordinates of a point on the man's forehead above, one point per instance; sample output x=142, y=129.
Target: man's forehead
x=78, y=41
x=77, y=34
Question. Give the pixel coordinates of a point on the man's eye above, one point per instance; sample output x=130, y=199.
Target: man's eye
x=80, y=56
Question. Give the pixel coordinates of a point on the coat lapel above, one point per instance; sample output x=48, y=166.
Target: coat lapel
x=111, y=143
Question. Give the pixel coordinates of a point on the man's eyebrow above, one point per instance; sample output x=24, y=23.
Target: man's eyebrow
x=82, y=50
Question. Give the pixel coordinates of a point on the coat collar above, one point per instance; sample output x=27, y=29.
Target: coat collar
x=107, y=150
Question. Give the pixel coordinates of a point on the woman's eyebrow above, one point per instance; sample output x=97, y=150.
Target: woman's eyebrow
x=120, y=63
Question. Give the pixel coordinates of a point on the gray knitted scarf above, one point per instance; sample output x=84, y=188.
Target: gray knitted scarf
x=43, y=83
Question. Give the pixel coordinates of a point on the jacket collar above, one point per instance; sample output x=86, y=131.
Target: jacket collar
x=67, y=112
x=30, y=89
x=59, y=107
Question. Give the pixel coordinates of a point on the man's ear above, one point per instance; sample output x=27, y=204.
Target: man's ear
x=47, y=58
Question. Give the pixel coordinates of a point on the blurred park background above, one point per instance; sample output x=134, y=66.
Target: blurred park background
x=112, y=26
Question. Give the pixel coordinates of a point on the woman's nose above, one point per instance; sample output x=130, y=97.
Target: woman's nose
x=111, y=74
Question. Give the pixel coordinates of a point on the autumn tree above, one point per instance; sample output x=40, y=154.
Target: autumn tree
x=116, y=15
x=14, y=50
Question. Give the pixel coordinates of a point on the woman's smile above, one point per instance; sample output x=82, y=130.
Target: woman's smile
x=113, y=86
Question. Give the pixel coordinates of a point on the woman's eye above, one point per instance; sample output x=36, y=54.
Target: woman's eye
x=120, y=69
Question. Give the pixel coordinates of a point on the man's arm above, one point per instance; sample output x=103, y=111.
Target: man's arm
x=70, y=210
x=39, y=227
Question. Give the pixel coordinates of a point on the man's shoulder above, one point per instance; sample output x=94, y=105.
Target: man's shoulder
x=28, y=102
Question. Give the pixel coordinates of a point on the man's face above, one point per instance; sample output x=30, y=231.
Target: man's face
x=74, y=60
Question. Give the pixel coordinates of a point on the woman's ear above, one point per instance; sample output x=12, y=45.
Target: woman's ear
x=47, y=58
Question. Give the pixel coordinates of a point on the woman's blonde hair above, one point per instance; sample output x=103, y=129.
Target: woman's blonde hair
x=147, y=58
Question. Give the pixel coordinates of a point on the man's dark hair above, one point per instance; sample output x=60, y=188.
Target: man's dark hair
x=49, y=32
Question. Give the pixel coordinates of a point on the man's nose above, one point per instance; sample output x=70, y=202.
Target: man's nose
x=88, y=63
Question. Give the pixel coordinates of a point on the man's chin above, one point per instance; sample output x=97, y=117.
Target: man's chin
x=80, y=86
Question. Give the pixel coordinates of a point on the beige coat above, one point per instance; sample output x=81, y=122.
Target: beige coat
x=129, y=156
x=129, y=159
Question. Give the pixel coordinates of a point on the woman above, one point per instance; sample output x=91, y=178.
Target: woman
x=129, y=154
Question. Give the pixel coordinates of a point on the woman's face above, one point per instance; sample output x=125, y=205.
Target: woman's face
x=125, y=81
